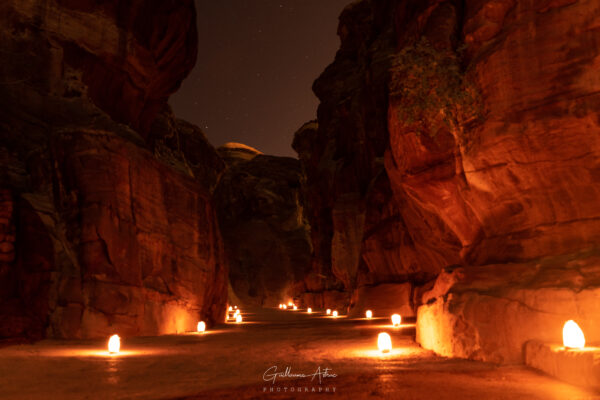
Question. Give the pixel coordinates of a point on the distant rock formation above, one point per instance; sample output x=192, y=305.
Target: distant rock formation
x=461, y=136
x=233, y=153
x=259, y=204
x=106, y=219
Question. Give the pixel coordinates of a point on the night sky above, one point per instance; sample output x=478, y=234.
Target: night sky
x=256, y=64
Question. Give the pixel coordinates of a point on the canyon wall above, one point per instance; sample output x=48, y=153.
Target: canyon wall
x=260, y=212
x=106, y=221
x=456, y=152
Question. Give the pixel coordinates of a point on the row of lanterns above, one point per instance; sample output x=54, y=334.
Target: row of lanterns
x=114, y=342
x=384, y=340
x=573, y=337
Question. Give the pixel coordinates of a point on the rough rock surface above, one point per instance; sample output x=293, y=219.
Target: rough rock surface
x=343, y=153
x=579, y=367
x=394, y=199
x=489, y=312
x=129, y=56
x=383, y=300
x=259, y=204
x=104, y=227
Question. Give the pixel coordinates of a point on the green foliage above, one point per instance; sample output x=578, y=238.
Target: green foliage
x=433, y=90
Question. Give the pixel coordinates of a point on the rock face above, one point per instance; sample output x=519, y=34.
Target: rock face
x=489, y=161
x=343, y=153
x=107, y=222
x=489, y=312
x=259, y=204
x=234, y=153
x=130, y=57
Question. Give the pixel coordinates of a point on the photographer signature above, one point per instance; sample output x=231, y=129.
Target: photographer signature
x=271, y=374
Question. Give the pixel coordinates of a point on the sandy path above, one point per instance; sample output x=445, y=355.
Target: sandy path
x=230, y=361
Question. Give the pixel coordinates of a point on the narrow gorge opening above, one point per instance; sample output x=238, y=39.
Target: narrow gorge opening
x=214, y=200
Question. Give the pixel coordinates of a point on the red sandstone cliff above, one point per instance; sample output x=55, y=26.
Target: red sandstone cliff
x=106, y=219
x=266, y=237
x=511, y=183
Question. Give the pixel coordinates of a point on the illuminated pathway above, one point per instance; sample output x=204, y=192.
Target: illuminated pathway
x=230, y=361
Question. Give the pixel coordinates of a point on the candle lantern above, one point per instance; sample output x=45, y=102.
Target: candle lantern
x=114, y=344
x=384, y=342
x=573, y=337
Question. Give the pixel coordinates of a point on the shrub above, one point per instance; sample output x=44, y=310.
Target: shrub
x=434, y=90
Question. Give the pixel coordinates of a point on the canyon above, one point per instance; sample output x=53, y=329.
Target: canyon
x=452, y=176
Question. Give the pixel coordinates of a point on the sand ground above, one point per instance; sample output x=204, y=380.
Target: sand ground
x=233, y=361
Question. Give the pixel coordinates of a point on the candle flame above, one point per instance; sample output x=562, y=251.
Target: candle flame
x=230, y=308
x=114, y=344
x=573, y=337
x=369, y=314
x=238, y=318
x=384, y=342
x=335, y=313
x=309, y=310
x=396, y=319
x=201, y=326
x=328, y=311
x=295, y=307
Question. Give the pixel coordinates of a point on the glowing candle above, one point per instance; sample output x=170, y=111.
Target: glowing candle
x=290, y=304
x=284, y=307
x=309, y=310
x=573, y=337
x=295, y=307
x=201, y=326
x=396, y=319
x=335, y=314
x=237, y=312
x=280, y=305
x=235, y=307
x=114, y=344
x=384, y=342
x=238, y=318
x=328, y=311
x=369, y=314
x=230, y=308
